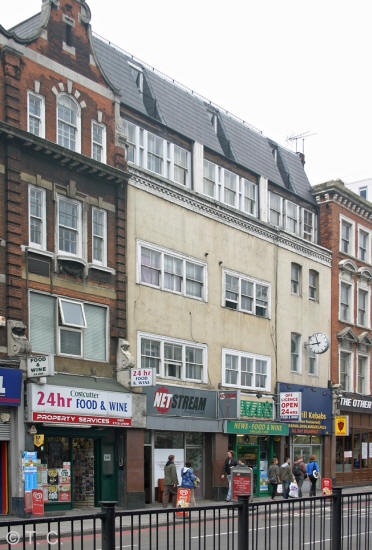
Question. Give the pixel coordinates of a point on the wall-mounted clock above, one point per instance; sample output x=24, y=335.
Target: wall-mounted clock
x=318, y=342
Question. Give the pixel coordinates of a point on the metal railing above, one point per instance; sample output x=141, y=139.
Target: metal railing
x=336, y=522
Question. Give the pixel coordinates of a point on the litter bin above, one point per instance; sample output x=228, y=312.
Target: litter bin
x=242, y=481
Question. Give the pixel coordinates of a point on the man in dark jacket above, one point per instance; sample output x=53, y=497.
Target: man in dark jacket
x=299, y=471
x=229, y=463
x=170, y=482
x=286, y=476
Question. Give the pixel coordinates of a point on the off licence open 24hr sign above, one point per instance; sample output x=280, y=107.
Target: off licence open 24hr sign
x=290, y=405
x=61, y=404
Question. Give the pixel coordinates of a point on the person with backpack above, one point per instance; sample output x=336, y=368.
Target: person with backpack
x=187, y=481
x=299, y=471
x=312, y=470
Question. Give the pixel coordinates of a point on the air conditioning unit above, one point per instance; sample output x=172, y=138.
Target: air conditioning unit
x=18, y=343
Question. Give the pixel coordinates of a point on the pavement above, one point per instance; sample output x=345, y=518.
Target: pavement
x=87, y=526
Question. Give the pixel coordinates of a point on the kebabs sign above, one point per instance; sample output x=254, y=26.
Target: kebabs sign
x=69, y=405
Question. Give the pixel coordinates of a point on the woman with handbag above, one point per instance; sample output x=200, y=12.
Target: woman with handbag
x=189, y=481
x=312, y=470
x=274, y=477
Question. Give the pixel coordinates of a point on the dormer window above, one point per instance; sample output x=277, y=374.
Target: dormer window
x=137, y=76
x=68, y=123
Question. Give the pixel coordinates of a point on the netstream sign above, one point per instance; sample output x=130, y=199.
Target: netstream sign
x=63, y=404
x=178, y=401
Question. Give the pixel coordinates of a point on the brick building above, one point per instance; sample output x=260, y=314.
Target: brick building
x=62, y=264
x=346, y=229
x=213, y=270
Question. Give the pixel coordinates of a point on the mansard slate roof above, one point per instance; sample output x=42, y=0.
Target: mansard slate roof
x=190, y=116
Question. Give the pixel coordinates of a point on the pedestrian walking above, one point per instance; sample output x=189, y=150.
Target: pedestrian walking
x=229, y=463
x=187, y=481
x=286, y=476
x=170, y=482
x=312, y=470
x=299, y=471
x=274, y=477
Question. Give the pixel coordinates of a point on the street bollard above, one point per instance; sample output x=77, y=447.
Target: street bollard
x=336, y=518
x=243, y=522
x=108, y=525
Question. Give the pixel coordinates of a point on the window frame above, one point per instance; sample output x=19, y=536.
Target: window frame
x=350, y=354
x=79, y=230
x=351, y=241
x=43, y=218
x=365, y=357
x=41, y=119
x=288, y=218
x=102, y=263
x=308, y=236
x=366, y=290
x=252, y=280
x=246, y=355
x=350, y=305
x=178, y=256
x=58, y=326
x=279, y=212
x=312, y=355
x=298, y=281
x=60, y=99
x=101, y=145
x=314, y=286
x=367, y=258
x=297, y=353
x=163, y=340
x=244, y=196
x=62, y=313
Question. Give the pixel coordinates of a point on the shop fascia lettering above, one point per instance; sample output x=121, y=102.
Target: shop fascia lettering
x=77, y=405
x=357, y=403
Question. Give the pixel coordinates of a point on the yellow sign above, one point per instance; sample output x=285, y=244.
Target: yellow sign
x=342, y=425
x=38, y=440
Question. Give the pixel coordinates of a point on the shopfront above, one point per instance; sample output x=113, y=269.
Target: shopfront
x=307, y=410
x=10, y=399
x=353, y=429
x=257, y=442
x=76, y=443
x=181, y=421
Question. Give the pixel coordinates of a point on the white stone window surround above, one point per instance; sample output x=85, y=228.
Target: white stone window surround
x=68, y=101
x=346, y=280
x=178, y=256
x=246, y=356
x=101, y=145
x=144, y=150
x=248, y=279
x=102, y=237
x=40, y=219
x=161, y=339
x=361, y=229
x=79, y=229
x=349, y=356
x=363, y=285
x=347, y=239
x=39, y=117
x=314, y=359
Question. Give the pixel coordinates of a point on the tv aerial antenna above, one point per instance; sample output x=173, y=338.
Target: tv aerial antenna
x=298, y=138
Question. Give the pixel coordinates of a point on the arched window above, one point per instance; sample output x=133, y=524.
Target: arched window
x=68, y=123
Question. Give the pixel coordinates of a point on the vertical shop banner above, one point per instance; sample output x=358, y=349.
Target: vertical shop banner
x=342, y=425
x=228, y=404
x=290, y=406
x=316, y=409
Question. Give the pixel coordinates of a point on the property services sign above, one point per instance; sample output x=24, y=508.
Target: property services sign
x=68, y=405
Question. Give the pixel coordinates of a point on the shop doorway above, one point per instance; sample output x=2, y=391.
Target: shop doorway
x=257, y=453
x=83, y=471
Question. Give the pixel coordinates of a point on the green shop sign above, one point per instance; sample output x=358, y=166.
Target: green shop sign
x=265, y=428
x=256, y=409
